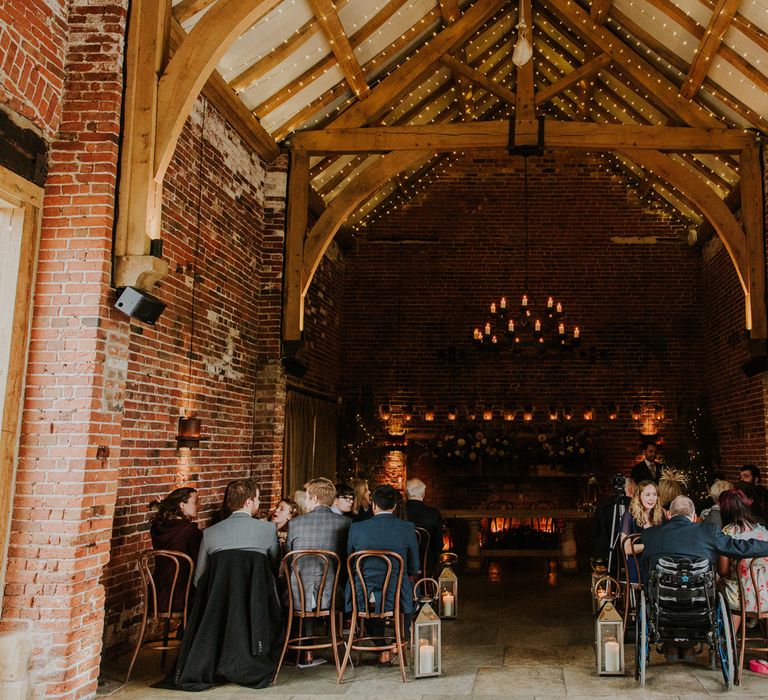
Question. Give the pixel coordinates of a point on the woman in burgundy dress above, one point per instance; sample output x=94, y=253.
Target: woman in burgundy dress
x=173, y=529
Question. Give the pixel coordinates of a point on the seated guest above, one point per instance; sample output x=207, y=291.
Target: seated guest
x=320, y=528
x=749, y=483
x=671, y=485
x=223, y=512
x=712, y=515
x=385, y=531
x=647, y=469
x=644, y=512
x=342, y=503
x=682, y=536
x=738, y=522
x=424, y=516
x=173, y=529
x=361, y=506
x=298, y=498
x=284, y=512
x=241, y=530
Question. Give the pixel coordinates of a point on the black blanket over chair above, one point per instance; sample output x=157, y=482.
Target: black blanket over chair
x=234, y=632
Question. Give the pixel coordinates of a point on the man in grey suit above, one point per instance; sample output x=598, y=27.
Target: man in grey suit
x=240, y=530
x=319, y=528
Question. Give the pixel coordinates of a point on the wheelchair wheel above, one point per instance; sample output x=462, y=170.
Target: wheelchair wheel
x=642, y=647
x=724, y=639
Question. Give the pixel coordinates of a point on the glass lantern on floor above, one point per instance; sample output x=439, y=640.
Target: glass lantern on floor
x=426, y=643
x=609, y=639
x=449, y=593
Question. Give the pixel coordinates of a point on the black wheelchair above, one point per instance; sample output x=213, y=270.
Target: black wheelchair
x=681, y=605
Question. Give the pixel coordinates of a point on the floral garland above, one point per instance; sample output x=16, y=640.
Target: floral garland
x=479, y=447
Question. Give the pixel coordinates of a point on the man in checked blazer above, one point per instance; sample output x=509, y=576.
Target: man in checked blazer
x=320, y=528
x=240, y=530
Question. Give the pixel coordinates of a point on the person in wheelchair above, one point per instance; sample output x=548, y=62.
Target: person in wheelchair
x=681, y=607
x=682, y=536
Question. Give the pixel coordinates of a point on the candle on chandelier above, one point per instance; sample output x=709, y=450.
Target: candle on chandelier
x=478, y=335
x=511, y=326
x=493, y=307
x=537, y=326
x=488, y=328
x=559, y=308
x=561, y=328
x=576, y=332
x=503, y=304
x=550, y=303
x=525, y=300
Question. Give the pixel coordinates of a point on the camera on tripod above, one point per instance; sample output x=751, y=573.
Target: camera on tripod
x=617, y=482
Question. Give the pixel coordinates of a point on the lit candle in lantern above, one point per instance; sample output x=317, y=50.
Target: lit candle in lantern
x=576, y=332
x=426, y=657
x=488, y=329
x=550, y=302
x=503, y=304
x=561, y=329
x=612, y=656
x=493, y=307
x=447, y=604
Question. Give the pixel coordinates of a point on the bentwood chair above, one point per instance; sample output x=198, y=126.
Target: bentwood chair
x=423, y=538
x=311, y=577
x=378, y=603
x=753, y=640
x=183, y=565
x=629, y=569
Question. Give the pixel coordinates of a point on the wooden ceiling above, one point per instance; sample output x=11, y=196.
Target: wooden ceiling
x=311, y=64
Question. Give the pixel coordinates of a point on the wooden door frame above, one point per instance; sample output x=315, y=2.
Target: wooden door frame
x=24, y=195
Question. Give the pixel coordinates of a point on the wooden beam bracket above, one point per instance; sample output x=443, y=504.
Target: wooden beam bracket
x=536, y=149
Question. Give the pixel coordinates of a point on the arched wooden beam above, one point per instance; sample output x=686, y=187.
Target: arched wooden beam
x=722, y=219
x=192, y=65
x=362, y=187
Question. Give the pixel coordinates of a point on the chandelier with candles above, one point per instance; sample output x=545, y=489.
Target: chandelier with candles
x=526, y=327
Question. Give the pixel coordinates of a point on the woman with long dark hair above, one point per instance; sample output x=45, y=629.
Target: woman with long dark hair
x=173, y=528
x=740, y=523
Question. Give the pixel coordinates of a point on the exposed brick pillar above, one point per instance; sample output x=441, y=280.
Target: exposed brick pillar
x=67, y=477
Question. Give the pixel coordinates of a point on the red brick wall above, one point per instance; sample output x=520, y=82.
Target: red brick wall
x=407, y=304
x=738, y=402
x=33, y=42
x=65, y=495
x=236, y=385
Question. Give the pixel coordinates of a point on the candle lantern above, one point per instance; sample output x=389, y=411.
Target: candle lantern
x=449, y=593
x=426, y=643
x=599, y=570
x=609, y=638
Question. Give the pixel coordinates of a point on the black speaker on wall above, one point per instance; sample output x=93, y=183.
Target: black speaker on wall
x=140, y=304
x=755, y=365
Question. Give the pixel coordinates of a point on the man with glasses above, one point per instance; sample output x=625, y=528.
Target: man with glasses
x=345, y=497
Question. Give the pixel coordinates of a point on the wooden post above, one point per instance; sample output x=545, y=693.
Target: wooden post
x=526, y=126
x=298, y=205
x=753, y=221
x=140, y=194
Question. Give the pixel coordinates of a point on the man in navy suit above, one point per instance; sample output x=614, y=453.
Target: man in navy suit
x=680, y=536
x=426, y=517
x=385, y=531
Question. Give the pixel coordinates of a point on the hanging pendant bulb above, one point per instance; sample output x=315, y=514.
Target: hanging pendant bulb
x=523, y=50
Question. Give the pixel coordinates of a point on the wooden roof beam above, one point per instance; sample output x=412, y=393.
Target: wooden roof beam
x=599, y=11
x=719, y=23
x=495, y=134
x=410, y=72
x=187, y=9
x=450, y=12
x=481, y=79
x=329, y=21
x=526, y=128
x=635, y=66
x=583, y=72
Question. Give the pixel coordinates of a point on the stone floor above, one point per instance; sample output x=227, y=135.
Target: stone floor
x=515, y=637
